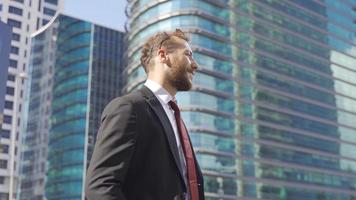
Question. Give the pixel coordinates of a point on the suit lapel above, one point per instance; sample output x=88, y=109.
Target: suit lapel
x=166, y=124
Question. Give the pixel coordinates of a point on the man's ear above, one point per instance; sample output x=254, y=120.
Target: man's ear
x=162, y=55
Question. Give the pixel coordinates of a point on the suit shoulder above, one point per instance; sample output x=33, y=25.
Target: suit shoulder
x=130, y=100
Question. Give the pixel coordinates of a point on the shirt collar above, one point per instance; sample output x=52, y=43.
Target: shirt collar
x=161, y=93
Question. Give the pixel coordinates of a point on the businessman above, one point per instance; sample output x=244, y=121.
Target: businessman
x=143, y=150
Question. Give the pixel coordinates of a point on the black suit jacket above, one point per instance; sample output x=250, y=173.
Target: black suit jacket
x=136, y=154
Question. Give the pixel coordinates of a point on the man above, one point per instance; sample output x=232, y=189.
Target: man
x=143, y=151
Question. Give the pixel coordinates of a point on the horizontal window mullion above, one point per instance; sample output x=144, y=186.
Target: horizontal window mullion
x=324, y=18
x=280, y=183
x=305, y=24
x=282, y=164
x=304, y=83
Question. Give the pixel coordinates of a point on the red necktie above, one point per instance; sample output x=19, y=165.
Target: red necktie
x=188, y=153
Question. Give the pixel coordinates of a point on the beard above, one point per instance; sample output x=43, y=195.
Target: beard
x=179, y=77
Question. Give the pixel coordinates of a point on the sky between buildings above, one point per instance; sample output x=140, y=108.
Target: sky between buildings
x=110, y=13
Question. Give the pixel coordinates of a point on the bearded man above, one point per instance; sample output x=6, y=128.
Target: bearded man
x=143, y=150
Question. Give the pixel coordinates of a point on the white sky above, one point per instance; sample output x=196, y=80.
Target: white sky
x=110, y=13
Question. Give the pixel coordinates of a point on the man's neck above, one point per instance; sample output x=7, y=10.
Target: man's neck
x=158, y=79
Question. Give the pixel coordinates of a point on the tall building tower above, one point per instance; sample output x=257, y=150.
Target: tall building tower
x=35, y=137
x=272, y=111
x=5, y=38
x=25, y=17
x=75, y=67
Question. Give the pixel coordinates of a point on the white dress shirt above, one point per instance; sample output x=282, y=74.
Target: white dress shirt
x=164, y=97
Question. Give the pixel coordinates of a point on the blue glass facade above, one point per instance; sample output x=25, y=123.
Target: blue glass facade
x=272, y=112
x=69, y=110
x=85, y=59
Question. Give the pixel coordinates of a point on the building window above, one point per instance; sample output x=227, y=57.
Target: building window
x=7, y=119
x=10, y=90
x=15, y=10
x=0, y=7
x=10, y=77
x=2, y=180
x=4, y=148
x=14, y=23
x=37, y=61
x=13, y=63
x=15, y=36
x=44, y=22
x=20, y=1
x=49, y=11
x=14, y=50
x=55, y=2
x=5, y=134
x=9, y=105
x=3, y=164
x=36, y=49
x=4, y=195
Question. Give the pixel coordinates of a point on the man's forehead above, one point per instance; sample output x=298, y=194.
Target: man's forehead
x=181, y=43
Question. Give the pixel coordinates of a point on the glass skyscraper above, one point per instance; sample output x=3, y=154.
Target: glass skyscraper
x=24, y=17
x=75, y=66
x=272, y=114
x=35, y=139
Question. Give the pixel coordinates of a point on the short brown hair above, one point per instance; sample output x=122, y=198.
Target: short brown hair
x=161, y=39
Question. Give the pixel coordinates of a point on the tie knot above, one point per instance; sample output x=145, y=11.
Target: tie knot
x=174, y=106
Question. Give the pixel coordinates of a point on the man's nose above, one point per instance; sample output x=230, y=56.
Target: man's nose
x=195, y=65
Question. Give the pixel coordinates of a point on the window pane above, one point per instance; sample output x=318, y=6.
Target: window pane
x=55, y=2
x=14, y=23
x=10, y=77
x=9, y=104
x=5, y=134
x=15, y=10
x=7, y=119
x=15, y=37
x=14, y=50
x=13, y=63
x=10, y=90
x=3, y=164
x=49, y=11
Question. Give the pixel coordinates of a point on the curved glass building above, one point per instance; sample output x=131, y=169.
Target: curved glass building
x=69, y=110
x=273, y=109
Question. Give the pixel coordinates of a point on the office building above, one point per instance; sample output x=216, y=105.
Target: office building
x=5, y=38
x=24, y=16
x=273, y=108
x=75, y=67
x=35, y=137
